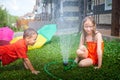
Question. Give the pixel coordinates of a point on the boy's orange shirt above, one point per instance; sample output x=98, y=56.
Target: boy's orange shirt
x=12, y=52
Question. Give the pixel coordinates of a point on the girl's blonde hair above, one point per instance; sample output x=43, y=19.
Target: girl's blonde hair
x=94, y=26
x=29, y=33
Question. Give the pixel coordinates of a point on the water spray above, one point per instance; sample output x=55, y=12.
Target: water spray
x=65, y=48
x=66, y=43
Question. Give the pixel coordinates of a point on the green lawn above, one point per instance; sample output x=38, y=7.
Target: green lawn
x=51, y=52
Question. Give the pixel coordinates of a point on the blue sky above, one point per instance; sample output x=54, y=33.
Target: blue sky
x=18, y=7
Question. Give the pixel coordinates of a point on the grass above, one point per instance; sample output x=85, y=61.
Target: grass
x=51, y=52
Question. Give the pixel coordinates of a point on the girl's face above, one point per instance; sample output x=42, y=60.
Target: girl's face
x=32, y=40
x=88, y=27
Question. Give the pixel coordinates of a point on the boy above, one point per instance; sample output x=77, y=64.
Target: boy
x=10, y=53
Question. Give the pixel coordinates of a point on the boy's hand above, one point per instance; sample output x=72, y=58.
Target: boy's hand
x=35, y=72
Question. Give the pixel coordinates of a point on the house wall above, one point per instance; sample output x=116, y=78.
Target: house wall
x=102, y=16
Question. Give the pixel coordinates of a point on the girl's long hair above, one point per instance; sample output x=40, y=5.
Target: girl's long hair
x=94, y=26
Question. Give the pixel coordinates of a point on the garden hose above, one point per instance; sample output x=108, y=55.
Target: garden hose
x=46, y=70
x=56, y=62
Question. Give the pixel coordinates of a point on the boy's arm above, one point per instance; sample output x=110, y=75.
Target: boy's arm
x=28, y=65
x=25, y=65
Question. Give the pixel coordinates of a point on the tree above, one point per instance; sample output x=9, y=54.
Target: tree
x=3, y=17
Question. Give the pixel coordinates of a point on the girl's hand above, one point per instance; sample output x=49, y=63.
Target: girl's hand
x=35, y=72
x=96, y=67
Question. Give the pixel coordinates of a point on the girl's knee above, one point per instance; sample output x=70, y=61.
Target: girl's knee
x=82, y=54
x=78, y=51
x=81, y=64
x=86, y=62
x=82, y=47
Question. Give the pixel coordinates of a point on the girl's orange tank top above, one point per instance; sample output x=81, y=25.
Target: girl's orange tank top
x=92, y=50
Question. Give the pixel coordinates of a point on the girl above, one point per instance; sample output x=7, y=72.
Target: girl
x=90, y=49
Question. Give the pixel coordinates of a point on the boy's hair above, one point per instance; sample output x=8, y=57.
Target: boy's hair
x=29, y=32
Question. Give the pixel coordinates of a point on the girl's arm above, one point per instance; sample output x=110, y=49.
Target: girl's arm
x=28, y=65
x=99, y=49
x=81, y=41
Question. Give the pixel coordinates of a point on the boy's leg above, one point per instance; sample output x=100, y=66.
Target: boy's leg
x=86, y=62
x=0, y=60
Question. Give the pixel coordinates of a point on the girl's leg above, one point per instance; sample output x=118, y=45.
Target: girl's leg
x=86, y=62
x=82, y=52
x=77, y=59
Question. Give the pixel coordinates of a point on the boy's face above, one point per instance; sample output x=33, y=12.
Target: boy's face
x=32, y=40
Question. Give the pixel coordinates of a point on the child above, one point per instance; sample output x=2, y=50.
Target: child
x=90, y=49
x=10, y=53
